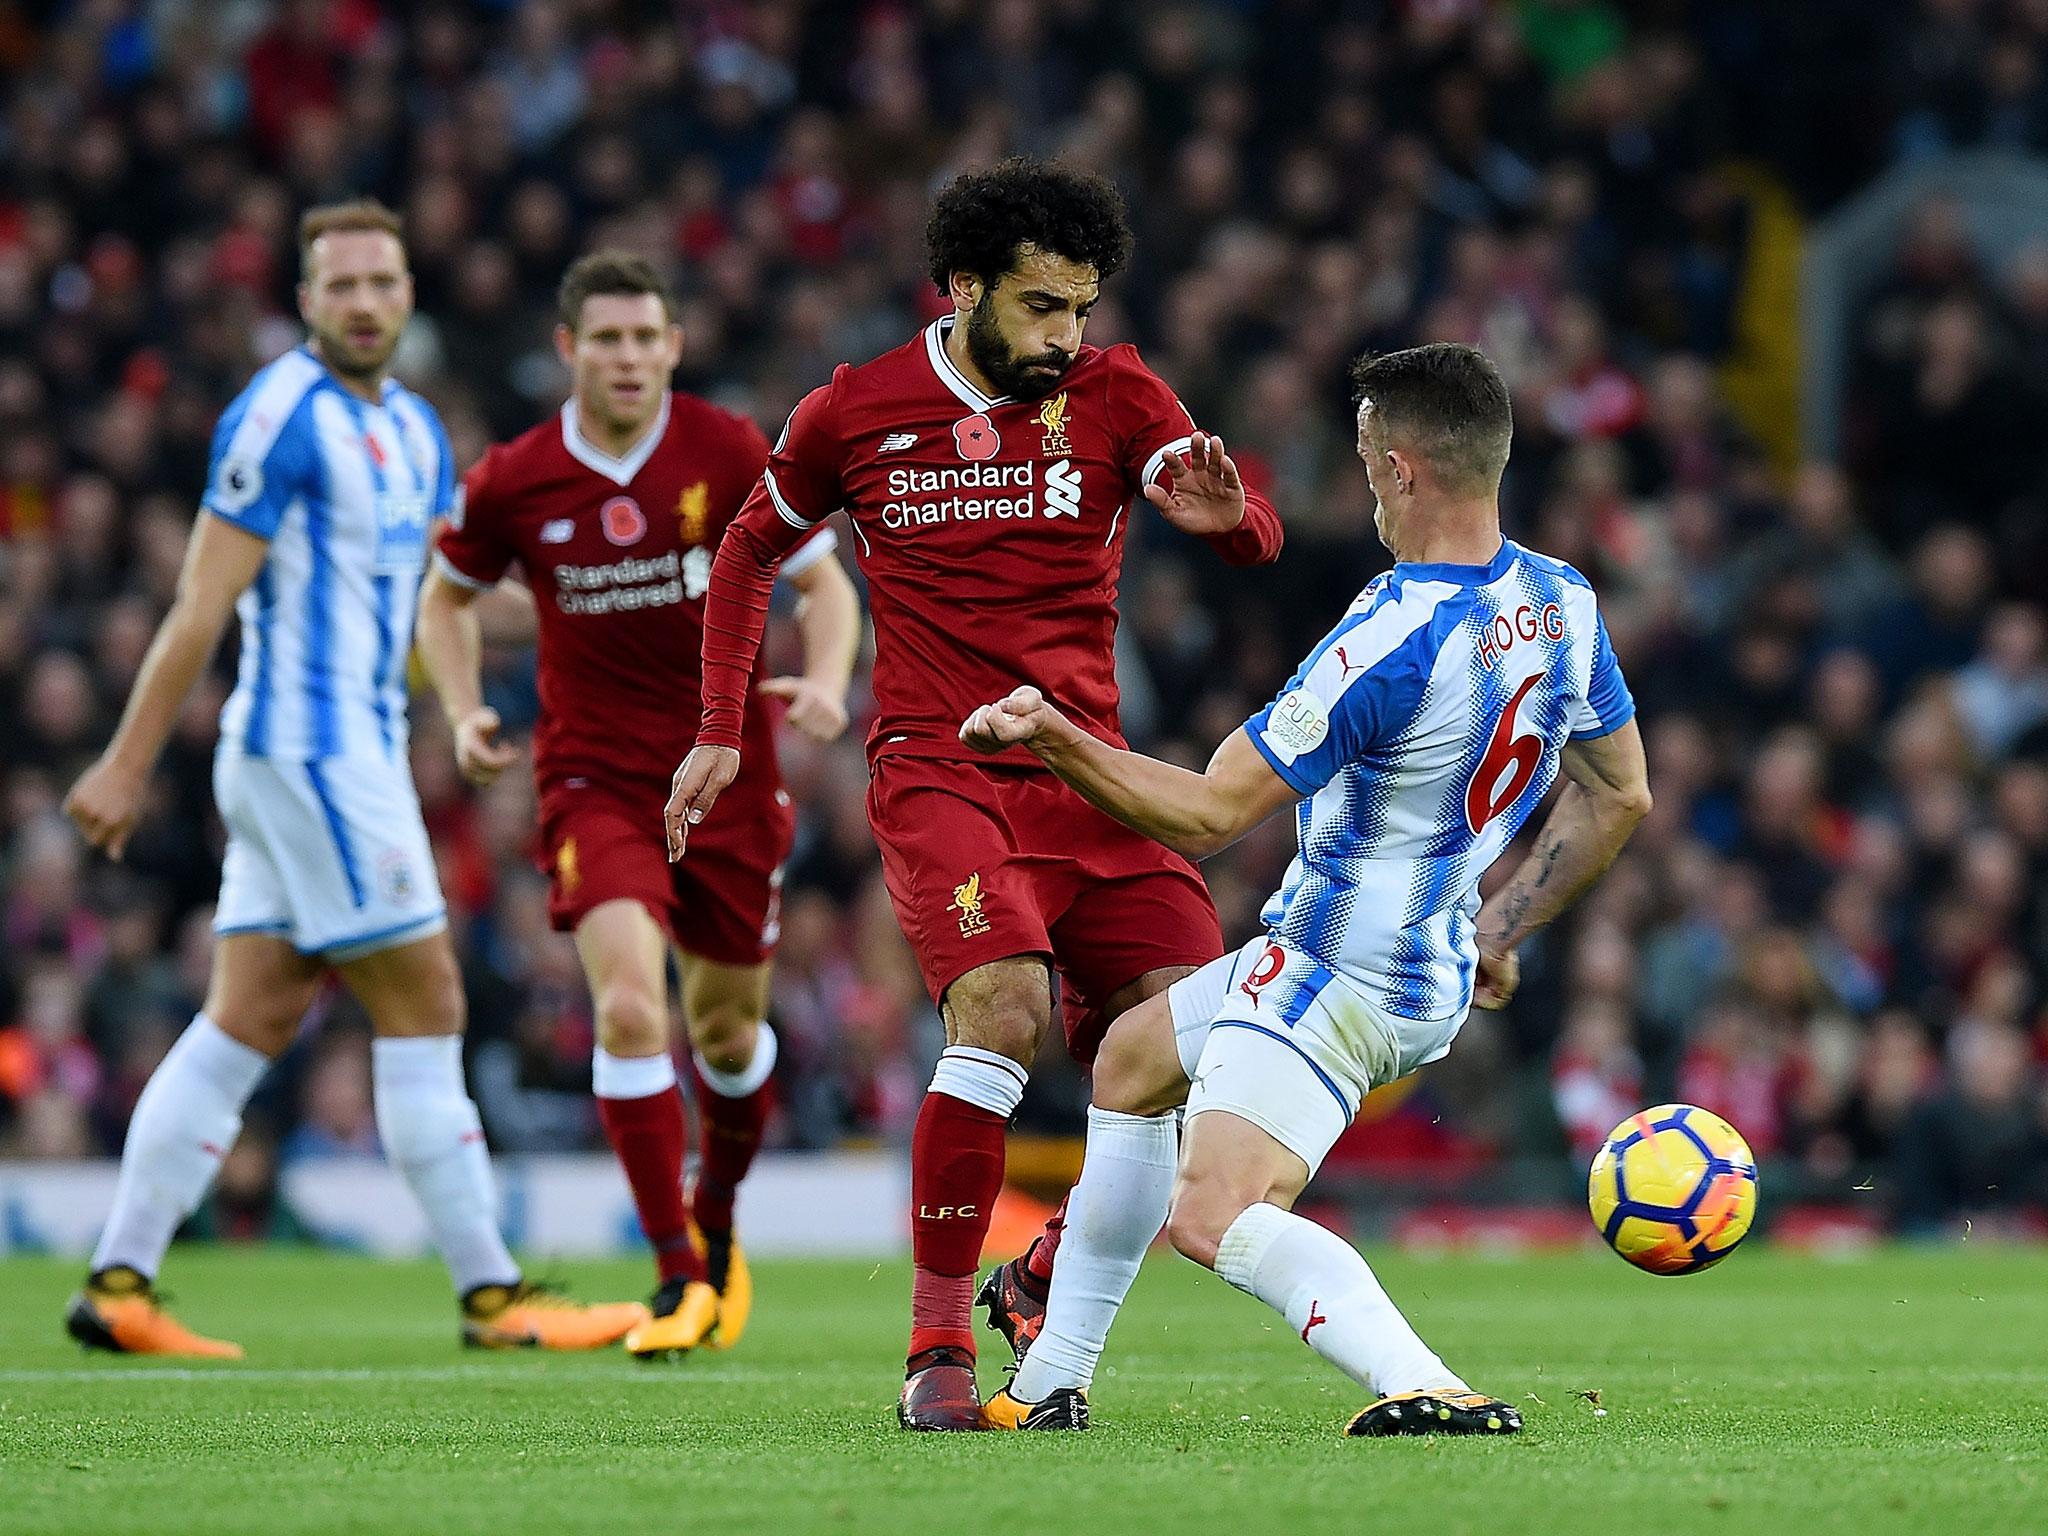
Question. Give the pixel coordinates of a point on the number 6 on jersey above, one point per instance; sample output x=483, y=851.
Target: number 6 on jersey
x=1509, y=763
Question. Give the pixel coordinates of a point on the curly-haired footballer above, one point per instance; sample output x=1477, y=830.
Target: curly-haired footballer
x=988, y=468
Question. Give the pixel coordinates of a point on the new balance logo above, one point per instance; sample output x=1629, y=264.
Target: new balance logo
x=1062, y=490
x=896, y=442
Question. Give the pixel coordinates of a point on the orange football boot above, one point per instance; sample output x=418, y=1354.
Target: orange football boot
x=533, y=1315
x=119, y=1310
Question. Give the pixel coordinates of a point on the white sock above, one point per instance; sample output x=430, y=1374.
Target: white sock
x=986, y=1079
x=743, y=1081
x=432, y=1135
x=630, y=1077
x=1115, y=1211
x=188, y=1116
x=1331, y=1298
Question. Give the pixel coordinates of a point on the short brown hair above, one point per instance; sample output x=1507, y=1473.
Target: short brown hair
x=1447, y=403
x=362, y=213
x=609, y=272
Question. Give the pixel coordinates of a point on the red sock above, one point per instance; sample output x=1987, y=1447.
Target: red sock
x=731, y=1136
x=1038, y=1258
x=956, y=1172
x=647, y=1136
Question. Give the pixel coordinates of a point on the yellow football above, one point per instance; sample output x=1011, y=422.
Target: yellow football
x=1673, y=1190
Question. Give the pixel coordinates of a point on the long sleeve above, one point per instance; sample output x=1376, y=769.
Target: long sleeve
x=736, y=613
x=1256, y=540
x=798, y=490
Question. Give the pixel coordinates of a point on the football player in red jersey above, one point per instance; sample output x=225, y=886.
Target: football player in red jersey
x=987, y=468
x=612, y=512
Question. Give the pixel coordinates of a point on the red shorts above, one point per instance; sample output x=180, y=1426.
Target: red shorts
x=721, y=901
x=985, y=862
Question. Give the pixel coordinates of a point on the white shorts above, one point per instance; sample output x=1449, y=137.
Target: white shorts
x=1277, y=1038
x=331, y=855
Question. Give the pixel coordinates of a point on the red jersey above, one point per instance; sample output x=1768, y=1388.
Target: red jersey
x=618, y=554
x=991, y=532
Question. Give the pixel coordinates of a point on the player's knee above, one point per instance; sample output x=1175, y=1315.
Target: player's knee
x=437, y=1006
x=1131, y=1079
x=724, y=1035
x=1202, y=1212
x=264, y=1028
x=1008, y=1012
x=412, y=993
x=1012, y=1032
x=631, y=1020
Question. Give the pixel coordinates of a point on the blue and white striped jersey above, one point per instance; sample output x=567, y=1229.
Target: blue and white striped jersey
x=345, y=492
x=1424, y=729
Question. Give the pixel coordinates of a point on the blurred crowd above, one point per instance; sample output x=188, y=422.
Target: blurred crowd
x=1832, y=930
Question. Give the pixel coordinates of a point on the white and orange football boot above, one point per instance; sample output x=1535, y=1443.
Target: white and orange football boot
x=119, y=1310
x=534, y=1315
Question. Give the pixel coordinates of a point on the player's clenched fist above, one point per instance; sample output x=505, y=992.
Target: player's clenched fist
x=478, y=752
x=704, y=776
x=817, y=709
x=105, y=803
x=1016, y=721
x=1499, y=974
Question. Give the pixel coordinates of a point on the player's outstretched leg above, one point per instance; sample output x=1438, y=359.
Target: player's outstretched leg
x=1225, y=1216
x=956, y=1173
x=733, y=1056
x=188, y=1116
x=434, y=1137
x=1330, y=1296
x=1113, y=1214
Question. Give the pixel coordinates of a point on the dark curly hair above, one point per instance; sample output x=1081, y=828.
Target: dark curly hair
x=981, y=218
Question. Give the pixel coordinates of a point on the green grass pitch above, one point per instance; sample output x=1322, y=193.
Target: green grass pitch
x=1903, y=1392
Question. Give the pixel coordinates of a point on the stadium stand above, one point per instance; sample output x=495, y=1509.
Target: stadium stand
x=1835, y=928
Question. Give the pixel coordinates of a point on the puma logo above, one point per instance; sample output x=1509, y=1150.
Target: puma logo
x=1315, y=1320
x=1346, y=662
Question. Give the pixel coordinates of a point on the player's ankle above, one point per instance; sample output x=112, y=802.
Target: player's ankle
x=923, y=1341
x=1034, y=1270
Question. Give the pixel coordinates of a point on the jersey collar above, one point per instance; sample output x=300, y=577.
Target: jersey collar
x=590, y=456
x=951, y=377
x=1461, y=575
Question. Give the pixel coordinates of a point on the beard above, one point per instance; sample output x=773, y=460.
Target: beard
x=1003, y=368
x=351, y=361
